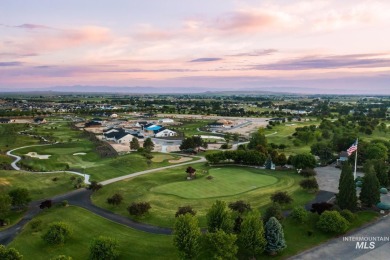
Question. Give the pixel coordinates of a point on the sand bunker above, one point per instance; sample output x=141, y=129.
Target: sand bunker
x=4, y=182
x=79, y=154
x=212, y=137
x=39, y=156
x=182, y=159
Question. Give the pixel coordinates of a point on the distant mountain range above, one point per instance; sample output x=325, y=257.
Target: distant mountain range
x=176, y=90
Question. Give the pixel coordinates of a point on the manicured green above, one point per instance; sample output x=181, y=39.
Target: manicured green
x=225, y=182
x=86, y=226
x=164, y=206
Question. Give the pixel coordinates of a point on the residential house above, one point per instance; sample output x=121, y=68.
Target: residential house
x=5, y=120
x=120, y=137
x=165, y=133
x=92, y=124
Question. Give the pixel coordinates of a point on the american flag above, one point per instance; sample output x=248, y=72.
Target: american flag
x=352, y=148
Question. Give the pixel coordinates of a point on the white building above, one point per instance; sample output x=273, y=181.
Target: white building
x=165, y=133
x=166, y=121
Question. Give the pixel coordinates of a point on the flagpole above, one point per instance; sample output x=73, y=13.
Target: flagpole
x=356, y=152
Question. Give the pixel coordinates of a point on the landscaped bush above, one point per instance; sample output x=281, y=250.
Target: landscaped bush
x=383, y=206
x=57, y=233
x=310, y=185
x=281, y=197
x=115, y=199
x=332, y=222
x=273, y=211
x=61, y=257
x=184, y=210
x=320, y=207
x=95, y=186
x=383, y=191
x=308, y=172
x=104, y=248
x=299, y=214
x=64, y=203
x=240, y=206
x=9, y=253
x=348, y=215
x=46, y=204
x=139, y=209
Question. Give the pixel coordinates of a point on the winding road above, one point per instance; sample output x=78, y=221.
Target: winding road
x=18, y=158
x=333, y=249
x=82, y=198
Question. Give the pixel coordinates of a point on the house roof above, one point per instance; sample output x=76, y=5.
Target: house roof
x=5, y=119
x=153, y=128
x=92, y=123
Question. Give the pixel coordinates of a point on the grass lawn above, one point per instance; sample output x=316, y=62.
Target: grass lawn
x=298, y=238
x=40, y=186
x=11, y=139
x=225, y=182
x=62, y=158
x=283, y=131
x=189, y=127
x=133, y=244
x=164, y=206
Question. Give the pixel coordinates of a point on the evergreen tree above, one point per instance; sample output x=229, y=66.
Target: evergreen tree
x=370, y=194
x=186, y=236
x=275, y=236
x=251, y=237
x=134, y=144
x=148, y=144
x=347, y=199
x=268, y=163
x=381, y=170
x=218, y=217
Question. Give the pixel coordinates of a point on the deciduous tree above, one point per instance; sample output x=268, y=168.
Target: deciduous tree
x=104, y=248
x=251, y=237
x=186, y=236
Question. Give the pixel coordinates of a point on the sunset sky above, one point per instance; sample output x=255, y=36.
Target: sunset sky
x=302, y=46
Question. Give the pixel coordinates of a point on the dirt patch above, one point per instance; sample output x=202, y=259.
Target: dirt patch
x=4, y=182
x=182, y=159
x=39, y=156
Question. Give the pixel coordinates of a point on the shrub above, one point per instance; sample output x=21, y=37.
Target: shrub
x=309, y=184
x=184, y=210
x=103, y=248
x=55, y=179
x=9, y=253
x=332, y=222
x=46, y=204
x=320, y=207
x=95, y=186
x=65, y=203
x=240, y=206
x=308, y=172
x=348, y=215
x=273, y=211
x=299, y=214
x=57, y=233
x=139, y=209
x=115, y=199
x=281, y=197
x=35, y=224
